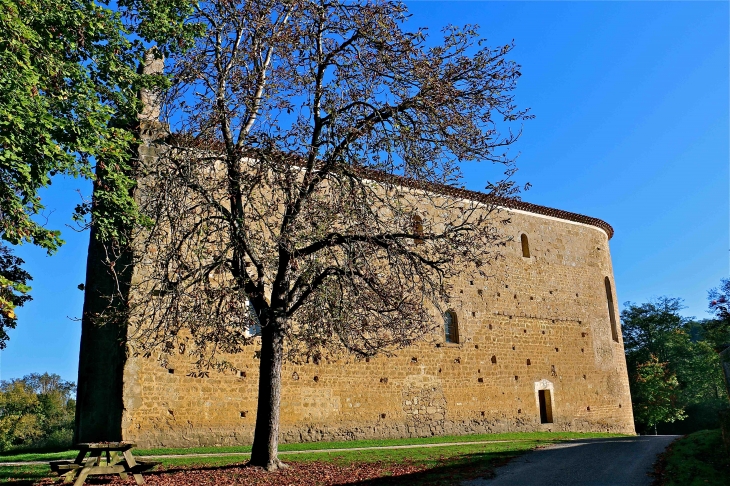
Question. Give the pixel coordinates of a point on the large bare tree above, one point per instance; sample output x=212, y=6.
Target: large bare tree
x=304, y=191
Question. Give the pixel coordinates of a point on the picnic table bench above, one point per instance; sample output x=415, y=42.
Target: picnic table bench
x=104, y=458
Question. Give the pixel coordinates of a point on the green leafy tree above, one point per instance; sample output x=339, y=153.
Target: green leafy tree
x=13, y=290
x=648, y=328
x=654, y=394
x=18, y=414
x=68, y=106
x=696, y=365
x=36, y=411
x=655, y=331
x=68, y=69
x=718, y=330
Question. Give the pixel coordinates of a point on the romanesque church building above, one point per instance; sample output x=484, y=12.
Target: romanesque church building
x=537, y=346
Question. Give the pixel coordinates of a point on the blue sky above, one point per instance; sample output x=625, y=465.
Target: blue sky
x=631, y=102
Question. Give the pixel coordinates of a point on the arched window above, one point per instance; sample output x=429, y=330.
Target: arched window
x=417, y=227
x=525, y=246
x=451, y=327
x=611, y=312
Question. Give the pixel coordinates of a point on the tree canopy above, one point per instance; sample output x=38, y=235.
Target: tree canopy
x=654, y=394
x=36, y=410
x=307, y=137
x=13, y=290
x=68, y=106
x=68, y=70
x=720, y=300
x=674, y=369
x=648, y=328
x=717, y=330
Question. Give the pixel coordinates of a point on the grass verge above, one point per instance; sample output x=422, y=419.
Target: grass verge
x=428, y=457
x=697, y=459
x=309, y=446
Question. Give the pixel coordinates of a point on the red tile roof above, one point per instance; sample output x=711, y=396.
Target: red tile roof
x=510, y=203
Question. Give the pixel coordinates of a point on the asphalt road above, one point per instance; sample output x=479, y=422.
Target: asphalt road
x=624, y=461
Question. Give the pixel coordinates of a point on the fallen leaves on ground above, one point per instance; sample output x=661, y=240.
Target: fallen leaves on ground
x=312, y=473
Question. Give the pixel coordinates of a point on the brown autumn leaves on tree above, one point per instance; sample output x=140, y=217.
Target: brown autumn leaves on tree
x=308, y=139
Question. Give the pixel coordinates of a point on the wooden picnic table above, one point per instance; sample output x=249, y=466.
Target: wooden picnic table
x=104, y=458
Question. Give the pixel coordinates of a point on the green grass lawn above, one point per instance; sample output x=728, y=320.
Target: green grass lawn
x=698, y=459
x=23, y=474
x=308, y=446
x=449, y=462
x=430, y=456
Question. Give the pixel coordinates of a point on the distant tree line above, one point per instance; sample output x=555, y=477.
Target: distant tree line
x=675, y=376
x=37, y=412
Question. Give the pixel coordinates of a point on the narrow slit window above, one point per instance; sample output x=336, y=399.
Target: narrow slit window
x=417, y=227
x=546, y=406
x=451, y=327
x=611, y=311
x=254, y=326
x=525, y=246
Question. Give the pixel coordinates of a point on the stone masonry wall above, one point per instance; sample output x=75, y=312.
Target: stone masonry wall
x=535, y=323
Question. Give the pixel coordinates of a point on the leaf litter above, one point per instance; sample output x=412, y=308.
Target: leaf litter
x=309, y=473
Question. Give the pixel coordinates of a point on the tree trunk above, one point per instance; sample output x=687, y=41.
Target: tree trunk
x=264, y=452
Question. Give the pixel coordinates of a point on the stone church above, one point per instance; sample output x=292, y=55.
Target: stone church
x=537, y=346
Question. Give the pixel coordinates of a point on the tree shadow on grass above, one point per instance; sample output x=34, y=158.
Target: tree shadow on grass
x=483, y=465
x=449, y=472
